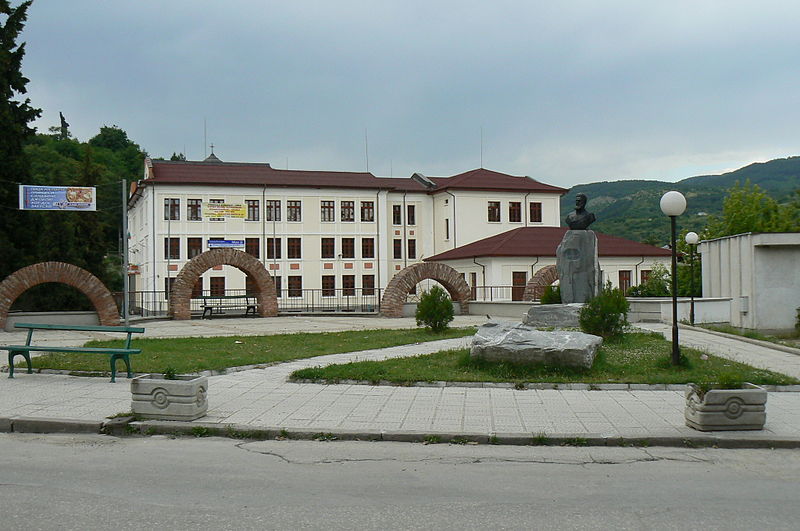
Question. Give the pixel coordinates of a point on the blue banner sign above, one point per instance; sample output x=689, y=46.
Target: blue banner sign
x=222, y=244
x=57, y=198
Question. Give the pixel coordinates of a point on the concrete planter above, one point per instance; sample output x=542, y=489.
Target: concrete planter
x=726, y=409
x=184, y=398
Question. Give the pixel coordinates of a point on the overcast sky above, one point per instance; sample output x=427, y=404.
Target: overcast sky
x=566, y=92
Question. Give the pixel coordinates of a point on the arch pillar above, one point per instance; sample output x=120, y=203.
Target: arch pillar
x=538, y=282
x=396, y=292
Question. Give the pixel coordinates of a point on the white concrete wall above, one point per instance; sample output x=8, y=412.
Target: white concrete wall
x=761, y=275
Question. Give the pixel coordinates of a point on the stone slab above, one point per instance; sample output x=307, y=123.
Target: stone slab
x=553, y=315
x=578, y=266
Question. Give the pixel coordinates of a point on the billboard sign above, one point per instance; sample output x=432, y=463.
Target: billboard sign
x=225, y=244
x=224, y=210
x=57, y=198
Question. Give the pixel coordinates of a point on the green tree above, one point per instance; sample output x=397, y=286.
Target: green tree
x=15, y=116
x=747, y=208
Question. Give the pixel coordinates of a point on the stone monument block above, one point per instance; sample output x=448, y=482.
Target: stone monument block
x=553, y=316
x=578, y=266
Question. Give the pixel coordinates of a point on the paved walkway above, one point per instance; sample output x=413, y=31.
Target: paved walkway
x=262, y=399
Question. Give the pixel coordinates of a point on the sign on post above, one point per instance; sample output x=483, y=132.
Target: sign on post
x=225, y=244
x=33, y=197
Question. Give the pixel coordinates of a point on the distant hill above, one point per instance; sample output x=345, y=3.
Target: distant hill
x=630, y=209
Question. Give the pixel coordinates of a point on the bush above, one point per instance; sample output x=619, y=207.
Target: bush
x=435, y=309
x=658, y=284
x=797, y=322
x=605, y=315
x=551, y=295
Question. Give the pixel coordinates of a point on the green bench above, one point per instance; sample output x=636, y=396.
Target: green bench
x=215, y=304
x=113, y=353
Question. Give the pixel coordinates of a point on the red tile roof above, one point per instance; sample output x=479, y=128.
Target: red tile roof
x=543, y=241
x=483, y=179
x=242, y=173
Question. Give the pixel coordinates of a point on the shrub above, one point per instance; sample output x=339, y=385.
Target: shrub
x=435, y=309
x=797, y=322
x=551, y=295
x=658, y=284
x=605, y=315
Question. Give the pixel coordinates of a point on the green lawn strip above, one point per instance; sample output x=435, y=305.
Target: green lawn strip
x=788, y=340
x=194, y=354
x=636, y=358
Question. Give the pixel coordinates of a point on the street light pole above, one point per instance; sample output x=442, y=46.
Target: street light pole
x=673, y=204
x=691, y=238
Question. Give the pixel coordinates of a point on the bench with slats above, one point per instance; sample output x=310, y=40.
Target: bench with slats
x=113, y=353
x=216, y=304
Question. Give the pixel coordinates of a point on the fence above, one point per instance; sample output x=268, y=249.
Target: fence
x=346, y=300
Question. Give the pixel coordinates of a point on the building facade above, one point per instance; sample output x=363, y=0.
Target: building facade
x=330, y=233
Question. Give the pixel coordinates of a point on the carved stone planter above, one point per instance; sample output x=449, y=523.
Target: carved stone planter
x=726, y=409
x=181, y=399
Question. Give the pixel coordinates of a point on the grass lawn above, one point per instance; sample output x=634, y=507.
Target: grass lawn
x=187, y=355
x=789, y=340
x=635, y=358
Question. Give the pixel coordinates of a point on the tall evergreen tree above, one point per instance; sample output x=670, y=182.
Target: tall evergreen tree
x=15, y=116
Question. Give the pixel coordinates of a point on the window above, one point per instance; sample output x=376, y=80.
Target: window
x=172, y=248
x=252, y=246
x=172, y=208
x=293, y=248
x=328, y=286
x=277, y=281
x=494, y=210
x=294, y=211
x=194, y=246
x=328, y=248
x=348, y=247
x=514, y=212
x=253, y=210
x=295, y=286
x=217, y=287
x=168, y=283
x=446, y=229
x=411, y=215
x=197, y=289
x=397, y=215
x=645, y=274
x=624, y=280
x=216, y=202
x=348, y=211
x=194, y=210
x=326, y=211
x=536, y=212
x=367, y=248
x=367, y=211
x=273, y=210
x=368, y=284
x=274, y=248
x=398, y=249
x=412, y=248
x=348, y=285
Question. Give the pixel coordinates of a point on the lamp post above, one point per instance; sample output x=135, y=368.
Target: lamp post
x=673, y=204
x=691, y=238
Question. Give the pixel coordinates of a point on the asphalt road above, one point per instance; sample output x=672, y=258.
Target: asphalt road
x=102, y=482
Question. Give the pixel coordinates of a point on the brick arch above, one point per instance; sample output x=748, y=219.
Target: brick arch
x=403, y=282
x=543, y=278
x=180, y=296
x=23, y=279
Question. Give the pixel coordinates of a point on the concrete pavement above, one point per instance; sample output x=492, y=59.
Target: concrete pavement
x=262, y=402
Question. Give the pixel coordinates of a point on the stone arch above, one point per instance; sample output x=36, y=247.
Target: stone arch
x=543, y=278
x=180, y=296
x=401, y=284
x=23, y=279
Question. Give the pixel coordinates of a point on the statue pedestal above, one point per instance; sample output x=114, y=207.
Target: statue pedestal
x=578, y=266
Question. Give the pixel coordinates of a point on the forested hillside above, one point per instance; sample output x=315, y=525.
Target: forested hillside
x=630, y=209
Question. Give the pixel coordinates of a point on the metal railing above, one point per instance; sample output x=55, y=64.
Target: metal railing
x=345, y=300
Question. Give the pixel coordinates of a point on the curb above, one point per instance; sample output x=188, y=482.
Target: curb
x=127, y=426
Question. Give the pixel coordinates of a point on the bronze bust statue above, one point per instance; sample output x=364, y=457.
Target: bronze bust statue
x=580, y=219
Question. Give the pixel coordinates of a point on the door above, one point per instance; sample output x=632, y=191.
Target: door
x=518, y=281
